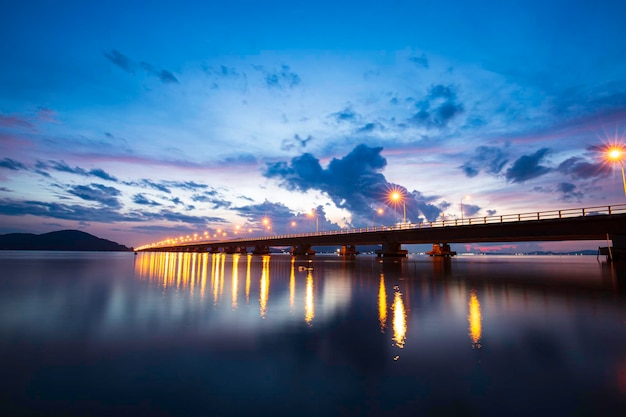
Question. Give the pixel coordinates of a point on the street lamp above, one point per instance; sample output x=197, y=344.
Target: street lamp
x=314, y=213
x=467, y=197
x=397, y=197
x=266, y=223
x=616, y=154
x=379, y=212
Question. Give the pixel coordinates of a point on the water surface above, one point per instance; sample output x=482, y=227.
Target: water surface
x=228, y=335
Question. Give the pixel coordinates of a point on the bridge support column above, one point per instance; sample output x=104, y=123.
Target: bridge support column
x=442, y=249
x=348, y=250
x=261, y=250
x=302, y=249
x=392, y=249
x=617, y=251
x=235, y=249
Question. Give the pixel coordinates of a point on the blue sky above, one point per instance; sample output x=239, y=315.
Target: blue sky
x=137, y=121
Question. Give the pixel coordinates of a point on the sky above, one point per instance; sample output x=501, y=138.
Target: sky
x=142, y=120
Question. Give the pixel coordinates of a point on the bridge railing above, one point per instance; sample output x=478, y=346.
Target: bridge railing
x=471, y=221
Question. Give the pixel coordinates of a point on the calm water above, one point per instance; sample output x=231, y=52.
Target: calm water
x=228, y=335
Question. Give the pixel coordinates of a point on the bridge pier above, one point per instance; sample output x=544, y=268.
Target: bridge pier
x=392, y=249
x=235, y=249
x=348, y=250
x=261, y=250
x=442, y=249
x=302, y=249
x=617, y=251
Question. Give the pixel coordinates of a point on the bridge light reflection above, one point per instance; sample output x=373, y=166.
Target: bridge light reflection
x=309, y=301
x=475, y=321
x=264, y=285
x=235, y=279
x=399, y=319
x=382, y=304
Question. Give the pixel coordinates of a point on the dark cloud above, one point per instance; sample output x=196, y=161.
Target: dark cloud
x=61, y=166
x=100, y=173
x=281, y=78
x=491, y=212
x=223, y=71
x=5, y=189
x=527, y=167
x=420, y=61
x=63, y=211
x=163, y=75
x=99, y=214
x=486, y=158
x=186, y=185
x=121, y=60
x=143, y=200
x=281, y=218
x=579, y=168
x=107, y=196
x=470, y=210
x=212, y=197
x=353, y=182
x=370, y=127
x=295, y=142
x=12, y=164
x=346, y=115
x=569, y=192
x=438, y=107
x=145, y=183
x=129, y=66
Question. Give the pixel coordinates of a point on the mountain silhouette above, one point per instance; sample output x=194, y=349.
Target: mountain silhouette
x=73, y=240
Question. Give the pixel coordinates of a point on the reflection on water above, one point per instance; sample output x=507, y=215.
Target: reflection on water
x=475, y=320
x=399, y=319
x=382, y=304
x=214, y=334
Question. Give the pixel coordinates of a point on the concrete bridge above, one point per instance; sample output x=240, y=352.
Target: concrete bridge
x=590, y=223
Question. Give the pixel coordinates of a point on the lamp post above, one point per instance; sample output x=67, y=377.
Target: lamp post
x=314, y=213
x=397, y=196
x=467, y=197
x=379, y=212
x=616, y=154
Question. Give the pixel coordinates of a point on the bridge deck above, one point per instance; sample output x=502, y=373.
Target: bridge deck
x=592, y=223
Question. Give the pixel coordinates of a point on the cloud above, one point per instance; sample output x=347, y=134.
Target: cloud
x=569, y=192
x=5, y=189
x=121, y=60
x=144, y=201
x=12, y=164
x=346, y=115
x=295, y=142
x=163, y=75
x=486, y=158
x=100, y=214
x=61, y=166
x=14, y=122
x=527, y=167
x=128, y=65
x=281, y=78
x=420, y=61
x=213, y=198
x=353, y=182
x=578, y=168
x=438, y=107
x=99, y=193
x=470, y=210
x=63, y=211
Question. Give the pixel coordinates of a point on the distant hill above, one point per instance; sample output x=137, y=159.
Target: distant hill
x=73, y=240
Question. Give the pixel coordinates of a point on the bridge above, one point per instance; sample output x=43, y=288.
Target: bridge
x=590, y=223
